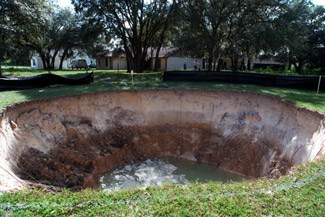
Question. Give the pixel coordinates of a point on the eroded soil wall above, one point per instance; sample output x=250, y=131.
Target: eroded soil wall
x=69, y=141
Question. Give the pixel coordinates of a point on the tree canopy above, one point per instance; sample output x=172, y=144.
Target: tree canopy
x=19, y=22
x=40, y=26
x=64, y=31
x=291, y=31
x=137, y=24
x=301, y=29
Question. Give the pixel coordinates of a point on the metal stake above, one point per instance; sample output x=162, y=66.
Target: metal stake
x=319, y=81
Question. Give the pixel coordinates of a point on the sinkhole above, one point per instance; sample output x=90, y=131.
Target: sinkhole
x=71, y=141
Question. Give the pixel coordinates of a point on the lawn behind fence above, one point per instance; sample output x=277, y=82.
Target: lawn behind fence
x=109, y=80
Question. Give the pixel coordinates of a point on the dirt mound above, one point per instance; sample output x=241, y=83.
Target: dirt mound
x=69, y=141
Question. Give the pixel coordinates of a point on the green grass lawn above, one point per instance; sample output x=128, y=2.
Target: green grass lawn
x=300, y=193
x=106, y=80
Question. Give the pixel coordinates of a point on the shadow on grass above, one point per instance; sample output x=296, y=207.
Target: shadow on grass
x=104, y=80
x=302, y=98
x=25, y=72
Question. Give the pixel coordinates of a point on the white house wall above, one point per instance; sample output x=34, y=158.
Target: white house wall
x=119, y=63
x=116, y=63
x=57, y=63
x=162, y=64
x=36, y=61
x=173, y=63
x=100, y=63
x=177, y=63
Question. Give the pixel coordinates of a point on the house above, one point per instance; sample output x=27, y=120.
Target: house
x=169, y=59
x=112, y=61
x=267, y=63
x=242, y=64
x=37, y=63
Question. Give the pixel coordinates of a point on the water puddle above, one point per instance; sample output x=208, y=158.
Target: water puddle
x=154, y=172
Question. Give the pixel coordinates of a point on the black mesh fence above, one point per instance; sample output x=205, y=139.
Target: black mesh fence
x=298, y=82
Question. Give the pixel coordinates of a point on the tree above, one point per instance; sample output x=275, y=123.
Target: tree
x=39, y=26
x=136, y=23
x=19, y=21
x=252, y=32
x=207, y=24
x=213, y=28
x=60, y=32
x=165, y=35
x=63, y=32
x=302, y=31
x=73, y=31
x=317, y=38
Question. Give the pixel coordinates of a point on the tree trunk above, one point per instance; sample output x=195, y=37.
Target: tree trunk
x=299, y=66
x=214, y=65
x=65, y=53
x=249, y=64
x=139, y=65
x=155, y=69
x=53, y=59
x=234, y=63
x=242, y=65
x=203, y=64
x=44, y=60
x=210, y=60
x=162, y=38
x=139, y=55
x=152, y=66
x=129, y=61
x=143, y=58
x=289, y=65
x=220, y=62
x=137, y=62
x=47, y=61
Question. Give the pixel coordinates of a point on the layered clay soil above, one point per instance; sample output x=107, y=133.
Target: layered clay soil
x=69, y=141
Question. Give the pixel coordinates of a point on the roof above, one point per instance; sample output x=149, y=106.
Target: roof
x=114, y=53
x=164, y=52
x=151, y=52
x=267, y=62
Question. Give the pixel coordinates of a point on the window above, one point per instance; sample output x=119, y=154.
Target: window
x=33, y=62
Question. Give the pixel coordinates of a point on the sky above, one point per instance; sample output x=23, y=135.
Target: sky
x=67, y=3
x=319, y=2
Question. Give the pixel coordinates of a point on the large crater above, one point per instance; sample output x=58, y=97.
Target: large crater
x=70, y=141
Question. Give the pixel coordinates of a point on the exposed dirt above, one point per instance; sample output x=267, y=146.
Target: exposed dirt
x=70, y=141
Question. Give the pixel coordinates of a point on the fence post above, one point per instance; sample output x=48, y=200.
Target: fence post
x=132, y=77
x=319, y=81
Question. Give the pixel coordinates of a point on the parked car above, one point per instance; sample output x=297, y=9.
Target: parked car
x=79, y=64
x=92, y=65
